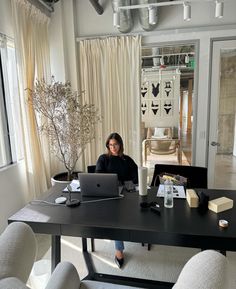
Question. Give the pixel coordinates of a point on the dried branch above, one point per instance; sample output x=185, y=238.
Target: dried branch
x=64, y=119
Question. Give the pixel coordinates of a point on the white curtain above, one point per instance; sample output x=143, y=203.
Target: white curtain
x=110, y=71
x=31, y=42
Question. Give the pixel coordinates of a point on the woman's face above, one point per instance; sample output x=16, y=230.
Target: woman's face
x=114, y=147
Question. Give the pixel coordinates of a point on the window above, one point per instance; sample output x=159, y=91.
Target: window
x=11, y=148
x=5, y=147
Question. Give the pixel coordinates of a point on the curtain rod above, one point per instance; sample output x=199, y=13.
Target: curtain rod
x=42, y=6
x=105, y=36
x=50, y=8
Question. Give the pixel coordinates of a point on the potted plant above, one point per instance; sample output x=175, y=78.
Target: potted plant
x=62, y=116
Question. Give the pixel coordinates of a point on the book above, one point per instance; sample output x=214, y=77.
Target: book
x=75, y=185
x=178, y=191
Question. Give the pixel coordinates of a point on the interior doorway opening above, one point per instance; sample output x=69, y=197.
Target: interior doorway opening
x=167, y=95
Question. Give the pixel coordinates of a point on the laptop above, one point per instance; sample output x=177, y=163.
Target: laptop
x=99, y=185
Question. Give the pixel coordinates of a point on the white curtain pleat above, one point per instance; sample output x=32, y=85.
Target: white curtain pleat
x=110, y=76
x=31, y=42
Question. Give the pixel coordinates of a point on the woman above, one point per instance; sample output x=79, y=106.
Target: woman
x=115, y=161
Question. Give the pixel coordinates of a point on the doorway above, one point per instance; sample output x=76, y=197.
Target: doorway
x=167, y=82
x=222, y=126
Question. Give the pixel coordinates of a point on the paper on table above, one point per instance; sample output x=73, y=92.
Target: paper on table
x=75, y=185
x=178, y=192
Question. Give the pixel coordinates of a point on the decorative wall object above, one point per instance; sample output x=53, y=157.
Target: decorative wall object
x=160, y=94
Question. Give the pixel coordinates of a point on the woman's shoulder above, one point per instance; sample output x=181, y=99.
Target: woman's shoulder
x=103, y=157
x=128, y=158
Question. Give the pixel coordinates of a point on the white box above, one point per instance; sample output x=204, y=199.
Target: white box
x=192, y=198
x=220, y=204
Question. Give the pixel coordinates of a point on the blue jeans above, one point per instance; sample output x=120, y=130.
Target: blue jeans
x=119, y=245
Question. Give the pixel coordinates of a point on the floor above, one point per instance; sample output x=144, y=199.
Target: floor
x=225, y=172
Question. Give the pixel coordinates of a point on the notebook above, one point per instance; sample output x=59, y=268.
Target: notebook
x=99, y=185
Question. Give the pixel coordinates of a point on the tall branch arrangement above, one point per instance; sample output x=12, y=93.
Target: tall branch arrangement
x=64, y=119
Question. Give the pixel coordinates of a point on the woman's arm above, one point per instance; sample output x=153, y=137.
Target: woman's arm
x=133, y=170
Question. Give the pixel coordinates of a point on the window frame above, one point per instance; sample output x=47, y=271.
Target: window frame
x=4, y=119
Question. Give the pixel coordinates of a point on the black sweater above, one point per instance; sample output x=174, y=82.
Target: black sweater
x=124, y=167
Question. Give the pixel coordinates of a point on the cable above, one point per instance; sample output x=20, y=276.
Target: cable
x=45, y=202
x=83, y=202
x=99, y=200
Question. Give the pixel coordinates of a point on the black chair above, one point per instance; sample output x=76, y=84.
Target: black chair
x=196, y=176
x=91, y=168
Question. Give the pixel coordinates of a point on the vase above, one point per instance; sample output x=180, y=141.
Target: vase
x=61, y=178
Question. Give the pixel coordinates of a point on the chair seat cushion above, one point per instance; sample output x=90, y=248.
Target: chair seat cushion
x=88, y=284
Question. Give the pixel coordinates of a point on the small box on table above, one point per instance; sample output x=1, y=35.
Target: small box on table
x=220, y=204
x=192, y=198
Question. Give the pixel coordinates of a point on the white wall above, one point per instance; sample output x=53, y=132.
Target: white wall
x=6, y=18
x=63, y=52
x=13, y=191
x=12, y=178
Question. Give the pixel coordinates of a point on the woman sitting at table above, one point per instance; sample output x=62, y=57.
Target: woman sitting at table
x=115, y=161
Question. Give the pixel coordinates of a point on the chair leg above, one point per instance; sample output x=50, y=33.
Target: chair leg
x=143, y=244
x=92, y=245
x=149, y=247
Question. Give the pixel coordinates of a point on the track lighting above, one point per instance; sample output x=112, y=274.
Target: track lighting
x=187, y=12
x=116, y=19
x=162, y=62
x=219, y=9
x=152, y=12
x=152, y=15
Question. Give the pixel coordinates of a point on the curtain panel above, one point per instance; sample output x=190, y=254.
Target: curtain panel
x=31, y=43
x=110, y=70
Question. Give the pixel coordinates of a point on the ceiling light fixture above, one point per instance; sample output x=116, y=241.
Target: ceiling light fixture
x=152, y=11
x=152, y=15
x=219, y=9
x=186, y=59
x=162, y=62
x=187, y=12
x=116, y=19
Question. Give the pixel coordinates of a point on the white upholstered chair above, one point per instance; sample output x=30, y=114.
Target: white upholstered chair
x=162, y=140
x=205, y=270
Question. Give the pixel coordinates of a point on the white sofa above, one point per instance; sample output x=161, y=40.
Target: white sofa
x=206, y=270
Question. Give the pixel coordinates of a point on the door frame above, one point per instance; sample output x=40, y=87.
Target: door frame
x=213, y=109
x=196, y=43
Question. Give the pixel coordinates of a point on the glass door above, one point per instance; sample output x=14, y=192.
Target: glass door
x=222, y=127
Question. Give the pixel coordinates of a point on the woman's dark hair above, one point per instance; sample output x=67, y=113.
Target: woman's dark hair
x=119, y=140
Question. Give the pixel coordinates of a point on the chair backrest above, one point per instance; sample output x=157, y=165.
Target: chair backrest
x=196, y=176
x=160, y=132
x=91, y=168
x=17, y=251
x=207, y=269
